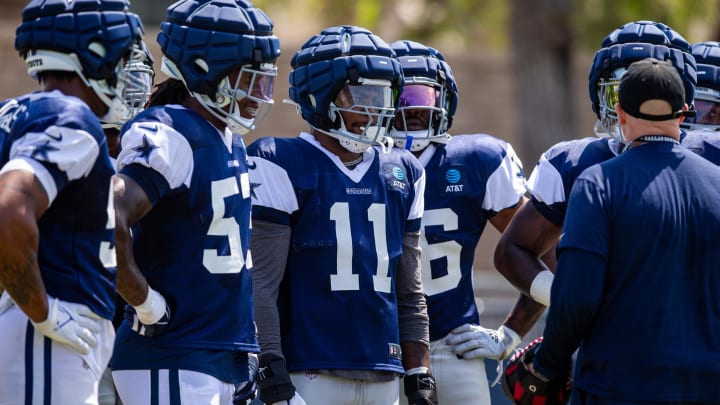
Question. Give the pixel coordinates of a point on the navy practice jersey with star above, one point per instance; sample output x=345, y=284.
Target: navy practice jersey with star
x=192, y=247
x=347, y=229
x=61, y=141
x=469, y=180
x=552, y=179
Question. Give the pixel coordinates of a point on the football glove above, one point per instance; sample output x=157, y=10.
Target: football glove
x=420, y=389
x=73, y=325
x=275, y=386
x=473, y=341
x=525, y=388
x=150, y=318
x=247, y=390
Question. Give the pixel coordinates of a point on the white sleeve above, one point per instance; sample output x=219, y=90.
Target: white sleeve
x=73, y=151
x=272, y=187
x=506, y=184
x=159, y=147
x=545, y=183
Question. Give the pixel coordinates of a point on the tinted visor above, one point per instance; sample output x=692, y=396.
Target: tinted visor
x=419, y=95
x=258, y=83
x=358, y=96
x=707, y=113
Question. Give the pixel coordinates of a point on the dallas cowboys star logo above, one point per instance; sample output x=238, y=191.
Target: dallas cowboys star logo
x=42, y=151
x=145, y=150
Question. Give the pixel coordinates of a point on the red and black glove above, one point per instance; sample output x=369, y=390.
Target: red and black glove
x=526, y=388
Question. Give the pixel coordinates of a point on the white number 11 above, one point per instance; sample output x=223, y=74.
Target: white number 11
x=345, y=280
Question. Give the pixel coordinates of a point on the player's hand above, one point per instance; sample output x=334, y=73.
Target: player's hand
x=420, y=389
x=522, y=384
x=73, y=325
x=473, y=341
x=150, y=318
x=275, y=386
x=149, y=329
x=247, y=390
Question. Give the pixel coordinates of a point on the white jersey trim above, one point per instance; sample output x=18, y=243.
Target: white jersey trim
x=34, y=167
x=545, y=183
x=506, y=184
x=275, y=189
x=355, y=174
x=172, y=156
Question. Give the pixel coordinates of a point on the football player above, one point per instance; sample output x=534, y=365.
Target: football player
x=701, y=134
x=470, y=180
x=537, y=226
x=57, y=223
x=183, y=189
x=639, y=254
x=336, y=218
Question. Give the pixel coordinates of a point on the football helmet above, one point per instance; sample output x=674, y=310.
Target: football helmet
x=429, y=95
x=630, y=43
x=88, y=37
x=139, y=76
x=707, y=93
x=223, y=51
x=351, y=65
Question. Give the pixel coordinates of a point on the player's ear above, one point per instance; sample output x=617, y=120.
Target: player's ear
x=620, y=114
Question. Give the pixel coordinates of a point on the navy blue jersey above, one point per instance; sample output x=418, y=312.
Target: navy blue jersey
x=648, y=315
x=347, y=230
x=192, y=247
x=61, y=141
x=552, y=178
x=469, y=180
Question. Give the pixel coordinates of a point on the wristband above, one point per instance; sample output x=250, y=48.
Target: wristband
x=540, y=287
x=418, y=370
x=420, y=388
x=152, y=309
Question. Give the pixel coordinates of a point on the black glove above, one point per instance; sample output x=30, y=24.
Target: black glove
x=526, y=388
x=420, y=389
x=155, y=329
x=273, y=379
x=246, y=391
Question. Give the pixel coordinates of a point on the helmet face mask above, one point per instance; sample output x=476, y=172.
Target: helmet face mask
x=244, y=97
x=707, y=92
x=224, y=52
x=421, y=116
x=608, y=95
x=630, y=43
x=340, y=73
x=362, y=113
x=135, y=81
x=707, y=109
x=429, y=98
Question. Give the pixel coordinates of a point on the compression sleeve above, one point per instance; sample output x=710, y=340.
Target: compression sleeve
x=268, y=240
x=413, y=318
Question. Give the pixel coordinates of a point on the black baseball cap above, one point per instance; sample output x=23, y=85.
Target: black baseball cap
x=652, y=79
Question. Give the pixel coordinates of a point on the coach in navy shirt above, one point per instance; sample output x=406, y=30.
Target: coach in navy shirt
x=638, y=276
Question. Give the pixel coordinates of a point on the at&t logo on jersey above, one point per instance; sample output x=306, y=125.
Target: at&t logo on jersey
x=398, y=179
x=453, y=177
